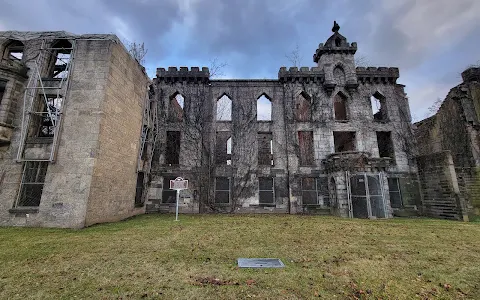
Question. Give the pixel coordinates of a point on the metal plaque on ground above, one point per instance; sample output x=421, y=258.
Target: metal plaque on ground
x=260, y=263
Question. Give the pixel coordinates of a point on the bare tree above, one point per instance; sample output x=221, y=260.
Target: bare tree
x=137, y=51
x=362, y=61
x=216, y=68
x=294, y=56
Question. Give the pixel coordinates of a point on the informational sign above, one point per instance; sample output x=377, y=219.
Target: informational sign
x=178, y=184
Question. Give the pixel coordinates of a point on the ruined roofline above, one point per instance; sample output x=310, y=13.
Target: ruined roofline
x=314, y=74
x=183, y=74
x=426, y=121
x=33, y=35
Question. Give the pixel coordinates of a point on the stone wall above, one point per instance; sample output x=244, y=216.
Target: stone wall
x=440, y=189
x=114, y=175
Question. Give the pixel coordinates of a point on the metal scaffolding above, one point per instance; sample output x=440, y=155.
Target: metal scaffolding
x=147, y=145
x=53, y=95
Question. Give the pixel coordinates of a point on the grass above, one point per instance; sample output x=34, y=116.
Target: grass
x=154, y=257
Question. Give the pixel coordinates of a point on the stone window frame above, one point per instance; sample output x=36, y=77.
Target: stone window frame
x=33, y=181
x=398, y=191
x=216, y=189
x=266, y=96
x=272, y=160
x=383, y=109
x=171, y=118
x=344, y=99
x=265, y=190
x=57, y=51
x=303, y=161
x=3, y=89
x=298, y=116
x=318, y=191
x=230, y=118
x=13, y=46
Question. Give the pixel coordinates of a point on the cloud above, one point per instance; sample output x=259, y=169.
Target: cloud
x=431, y=41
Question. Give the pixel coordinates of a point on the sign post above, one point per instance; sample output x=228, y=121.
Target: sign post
x=178, y=184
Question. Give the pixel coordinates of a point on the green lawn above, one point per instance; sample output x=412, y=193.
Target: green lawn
x=154, y=257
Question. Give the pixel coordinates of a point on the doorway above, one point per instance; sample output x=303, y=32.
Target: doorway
x=366, y=196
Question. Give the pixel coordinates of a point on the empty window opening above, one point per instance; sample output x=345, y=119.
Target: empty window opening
x=14, y=51
x=222, y=190
x=395, y=193
x=33, y=179
x=264, y=109
x=265, y=149
x=338, y=42
x=315, y=191
x=168, y=195
x=50, y=115
x=175, y=110
x=339, y=75
x=305, y=142
x=3, y=86
x=172, y=151
x=60, y=59
x=139, y=199
x=224, y=109
x=302, y=108
x=385, y=145
x=379, y=111
x=223, y=149
x=266, y=190
x=344, y=141
x=340, y=107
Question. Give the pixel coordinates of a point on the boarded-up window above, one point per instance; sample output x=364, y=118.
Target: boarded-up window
x=385, y=145
x=315, y=191
x=340, y=107
x=344, y=141
x=222, y=190
x=339, y=76
x=172, y=150
x=223, y=149
x=302, y=108
x=395, y=194
x=175, y=109
x=305, y=142
x=265, y=149
x=266, y=191
x=168, y=195
x=33, y=179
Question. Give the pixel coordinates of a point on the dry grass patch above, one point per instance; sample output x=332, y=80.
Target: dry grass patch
x=153, y=257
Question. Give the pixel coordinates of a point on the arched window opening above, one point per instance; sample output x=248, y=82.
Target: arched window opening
x=302, y=108
x=224, y=108
x=378, y=106
x=14, y=51
x=339, y=75
x=340, y=107
x=264, y=109
x=338, y=42
x=60, y=59
x=175, y=110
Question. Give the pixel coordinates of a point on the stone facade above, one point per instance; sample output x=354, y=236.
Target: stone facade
x=83, y=170
x=324, y=150
x=456, y=128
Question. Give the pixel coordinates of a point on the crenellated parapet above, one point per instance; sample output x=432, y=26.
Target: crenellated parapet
x=330, y=48
x=183, y=74
x=377, y=75
x=304, y=74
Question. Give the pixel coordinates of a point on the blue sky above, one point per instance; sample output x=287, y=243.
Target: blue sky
x=431, y=41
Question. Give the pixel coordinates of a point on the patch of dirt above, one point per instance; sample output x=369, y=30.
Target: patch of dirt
x=204, y=281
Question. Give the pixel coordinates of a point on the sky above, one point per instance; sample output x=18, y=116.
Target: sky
x=431, y=41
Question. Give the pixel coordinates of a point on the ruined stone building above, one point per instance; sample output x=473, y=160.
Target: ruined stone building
x=86, y=137
x=331, y=139
x=74, y=118
x=449, y=148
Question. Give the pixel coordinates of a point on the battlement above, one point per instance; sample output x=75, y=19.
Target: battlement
x=304, y=74
x=344, y=48
x=183, y=74
x=471, y=74
x=380, y=74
